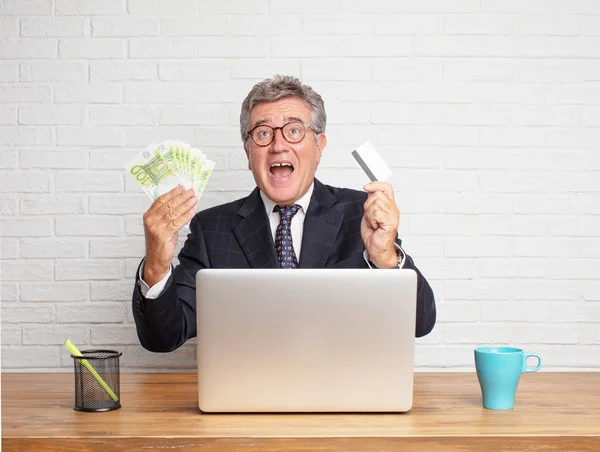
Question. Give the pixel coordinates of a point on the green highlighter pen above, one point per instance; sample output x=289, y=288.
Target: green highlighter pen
x=75, y=352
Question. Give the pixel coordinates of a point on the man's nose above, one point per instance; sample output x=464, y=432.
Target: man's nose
x=279, y=143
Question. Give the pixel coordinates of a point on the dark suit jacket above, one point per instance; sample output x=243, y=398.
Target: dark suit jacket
x=238, y=235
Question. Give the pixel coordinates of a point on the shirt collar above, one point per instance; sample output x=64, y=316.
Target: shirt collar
x=303, y=202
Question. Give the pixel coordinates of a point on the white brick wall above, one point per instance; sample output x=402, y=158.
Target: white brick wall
x=488, y=111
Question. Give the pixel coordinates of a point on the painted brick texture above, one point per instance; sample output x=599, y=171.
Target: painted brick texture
x=488, y=112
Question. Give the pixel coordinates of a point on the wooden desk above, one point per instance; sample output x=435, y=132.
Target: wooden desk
x=553, y=411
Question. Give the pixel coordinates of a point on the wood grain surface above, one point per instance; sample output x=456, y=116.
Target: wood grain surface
x=553, y=411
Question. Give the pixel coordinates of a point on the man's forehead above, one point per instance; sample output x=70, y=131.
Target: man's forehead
x=287, y=109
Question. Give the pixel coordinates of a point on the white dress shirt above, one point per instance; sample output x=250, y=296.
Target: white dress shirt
x=297, y=229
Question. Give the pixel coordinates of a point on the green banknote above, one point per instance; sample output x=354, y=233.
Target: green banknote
x=160, y=168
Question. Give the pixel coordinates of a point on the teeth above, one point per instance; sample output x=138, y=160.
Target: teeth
x=280, y=164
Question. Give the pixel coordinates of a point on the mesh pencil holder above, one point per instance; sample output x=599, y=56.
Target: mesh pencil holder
x=97, y=380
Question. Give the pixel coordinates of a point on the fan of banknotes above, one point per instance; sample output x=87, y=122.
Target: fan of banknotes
x=162, y=167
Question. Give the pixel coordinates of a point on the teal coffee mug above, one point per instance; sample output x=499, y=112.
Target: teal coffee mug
x=499, y=370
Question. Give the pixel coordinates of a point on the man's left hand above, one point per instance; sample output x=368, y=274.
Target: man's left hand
x=379, y=225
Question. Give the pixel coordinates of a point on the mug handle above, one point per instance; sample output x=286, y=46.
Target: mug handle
x=531, y=369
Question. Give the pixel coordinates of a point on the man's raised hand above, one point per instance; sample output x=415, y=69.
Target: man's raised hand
x=162, y=222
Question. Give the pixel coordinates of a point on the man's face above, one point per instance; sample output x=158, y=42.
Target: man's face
x=284, y=184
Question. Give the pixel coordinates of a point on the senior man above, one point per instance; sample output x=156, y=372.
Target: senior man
x=290, y=220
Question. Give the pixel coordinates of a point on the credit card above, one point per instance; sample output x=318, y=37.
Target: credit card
x=371, y=162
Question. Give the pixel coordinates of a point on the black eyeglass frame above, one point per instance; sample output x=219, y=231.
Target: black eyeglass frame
x=274, y=129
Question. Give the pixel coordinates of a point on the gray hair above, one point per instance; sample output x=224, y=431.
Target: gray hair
x=280, y=87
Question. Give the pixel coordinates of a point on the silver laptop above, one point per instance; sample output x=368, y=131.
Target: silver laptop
x=305, y=340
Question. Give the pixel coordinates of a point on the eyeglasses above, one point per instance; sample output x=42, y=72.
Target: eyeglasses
x=293, y=132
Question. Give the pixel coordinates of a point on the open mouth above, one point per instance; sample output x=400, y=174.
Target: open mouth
x=281, y=170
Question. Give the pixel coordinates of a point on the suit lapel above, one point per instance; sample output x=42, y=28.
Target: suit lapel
x=321, y=227
x=253, y=233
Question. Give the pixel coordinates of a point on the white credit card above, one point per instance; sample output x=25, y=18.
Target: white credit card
x=371, y=162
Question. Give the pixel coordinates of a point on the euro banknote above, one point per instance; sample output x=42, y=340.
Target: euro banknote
x=161, y=167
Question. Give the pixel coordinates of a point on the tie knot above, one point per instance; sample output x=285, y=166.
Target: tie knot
x=287, y=211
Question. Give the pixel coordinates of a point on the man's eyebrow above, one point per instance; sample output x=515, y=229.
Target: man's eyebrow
x=286, y=119
x=293, y=118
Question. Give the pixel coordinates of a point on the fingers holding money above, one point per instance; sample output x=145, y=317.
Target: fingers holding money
x=185, y=218
x=182, y=214
x=170, y=198
x=171, y=205
x=162, y=221
x=179, y=205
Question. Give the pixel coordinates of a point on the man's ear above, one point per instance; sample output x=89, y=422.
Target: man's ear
x=321, y=143
x=247, y=154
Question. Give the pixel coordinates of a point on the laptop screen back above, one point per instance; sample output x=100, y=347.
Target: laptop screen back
x=305, y=340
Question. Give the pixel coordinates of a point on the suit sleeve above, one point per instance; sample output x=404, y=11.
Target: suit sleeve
x=164, y=324
x=426, y=312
